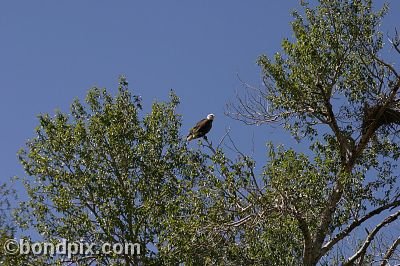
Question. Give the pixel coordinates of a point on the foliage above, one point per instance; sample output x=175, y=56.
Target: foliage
x=104, y=174
x=107, y=172
x=331, y=87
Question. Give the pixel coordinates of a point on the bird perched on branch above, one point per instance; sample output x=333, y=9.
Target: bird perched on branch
x=201, y=128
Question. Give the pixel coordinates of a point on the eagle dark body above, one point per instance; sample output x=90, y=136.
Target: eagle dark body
x=200, y=129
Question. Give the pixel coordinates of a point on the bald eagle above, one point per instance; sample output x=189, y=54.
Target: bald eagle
x=201, y=128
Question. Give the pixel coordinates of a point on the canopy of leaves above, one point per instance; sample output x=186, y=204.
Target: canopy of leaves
x=107, y=172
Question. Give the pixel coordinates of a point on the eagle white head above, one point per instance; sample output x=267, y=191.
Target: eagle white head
x=210, y=117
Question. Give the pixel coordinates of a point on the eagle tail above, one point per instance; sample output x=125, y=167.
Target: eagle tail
x=189, y=137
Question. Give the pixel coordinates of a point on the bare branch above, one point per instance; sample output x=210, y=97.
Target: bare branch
x=241, y=221
x=380, y=61
x=224, y=136
x=357, y=223
x=390, y=252
x=253, y=108
x=209, y=145
x=359, y=255
x=395, y=41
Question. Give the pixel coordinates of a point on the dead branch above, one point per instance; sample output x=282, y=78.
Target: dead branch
x=390, y=252
x=395, y=41
x=240, y=222
x=359, y=255
x=356, y=224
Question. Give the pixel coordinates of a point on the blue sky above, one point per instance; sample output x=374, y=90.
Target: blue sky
x=54, y=51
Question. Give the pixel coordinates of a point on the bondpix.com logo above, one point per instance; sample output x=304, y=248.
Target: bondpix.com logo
x=69, y=249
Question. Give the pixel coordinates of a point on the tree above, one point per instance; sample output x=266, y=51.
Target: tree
x=333, y=88
x=106, y=172
x=9, y=252
x=6, y=226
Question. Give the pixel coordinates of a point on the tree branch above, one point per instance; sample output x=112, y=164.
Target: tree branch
x=359, y=255
x=307, y=247
x=395, y=41
x=390, y=252
x=372, y=127
x=355, y=224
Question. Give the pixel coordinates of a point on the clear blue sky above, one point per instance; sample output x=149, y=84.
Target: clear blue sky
x=53, y=51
